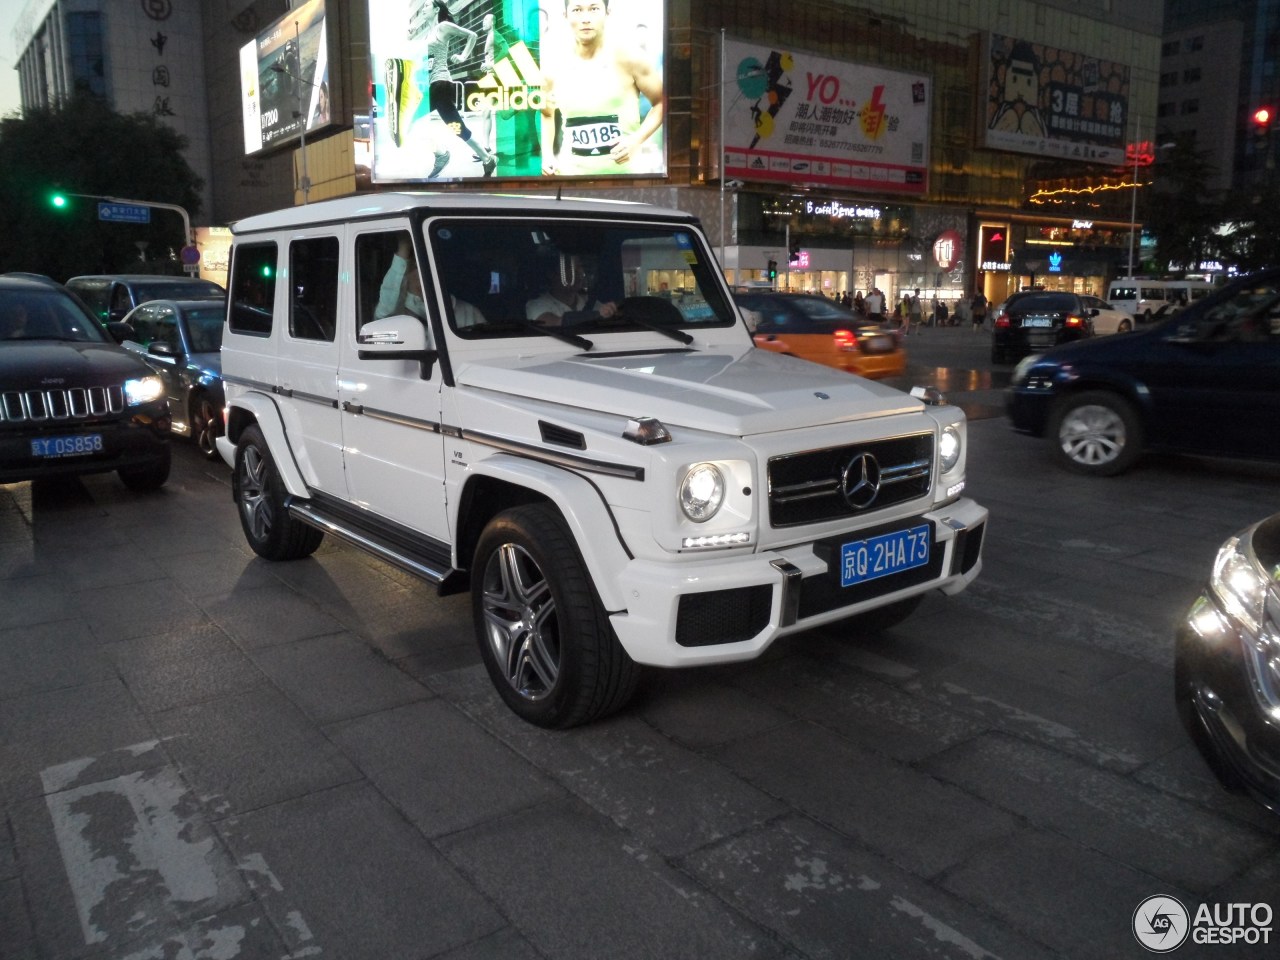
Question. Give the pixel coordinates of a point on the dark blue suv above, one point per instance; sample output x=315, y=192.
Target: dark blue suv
x=1206, y=381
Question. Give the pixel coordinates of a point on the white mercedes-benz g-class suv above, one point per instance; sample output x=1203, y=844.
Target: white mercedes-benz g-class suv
x=555, y=404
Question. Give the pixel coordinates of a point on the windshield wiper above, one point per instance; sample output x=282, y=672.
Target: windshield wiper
x=582, y=343
x=674, y=334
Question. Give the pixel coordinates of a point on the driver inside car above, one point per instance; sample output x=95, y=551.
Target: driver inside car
x=566, y=289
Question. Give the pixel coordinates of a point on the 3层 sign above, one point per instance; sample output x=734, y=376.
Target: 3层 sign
x=123, y=213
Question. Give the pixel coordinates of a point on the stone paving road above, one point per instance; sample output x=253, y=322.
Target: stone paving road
x=204, y=756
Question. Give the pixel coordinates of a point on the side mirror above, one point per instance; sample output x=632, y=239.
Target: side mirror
x=121, y=331
x=401, y=337
x=161, y=348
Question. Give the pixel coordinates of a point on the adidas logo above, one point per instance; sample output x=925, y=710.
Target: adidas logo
x=514, y=84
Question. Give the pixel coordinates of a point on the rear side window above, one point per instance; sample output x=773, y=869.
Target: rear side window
x=313, y=288
x=96, y=293
x=253, y=288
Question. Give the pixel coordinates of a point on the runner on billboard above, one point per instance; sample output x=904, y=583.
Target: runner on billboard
x=433, y=21
x=595, y=91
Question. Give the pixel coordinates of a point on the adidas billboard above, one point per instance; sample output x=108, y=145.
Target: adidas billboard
x=515, y=83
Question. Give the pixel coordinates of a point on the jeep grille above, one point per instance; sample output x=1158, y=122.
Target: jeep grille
x=77, y=403
x=806, y=487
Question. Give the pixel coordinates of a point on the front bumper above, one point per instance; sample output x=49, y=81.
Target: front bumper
x=1236, y=732
x=135, y=439
x=1028, y=410
x=728, y=607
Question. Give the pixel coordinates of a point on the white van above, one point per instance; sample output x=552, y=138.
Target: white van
x=503, y=394
x=1144, y=298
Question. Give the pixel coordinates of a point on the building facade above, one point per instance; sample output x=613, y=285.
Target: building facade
x=1217, y=47
x=1006, y=185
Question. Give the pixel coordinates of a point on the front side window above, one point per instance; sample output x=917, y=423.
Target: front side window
x=204, y=328
x=387, y=281
x=512, y=277
x=155, y=325
x=1250, y=315
x=253, y=288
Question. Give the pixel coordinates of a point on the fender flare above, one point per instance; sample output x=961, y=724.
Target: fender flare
x=262, y=410
x=585, y=511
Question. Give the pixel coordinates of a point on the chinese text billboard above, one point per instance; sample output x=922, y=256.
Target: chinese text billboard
x=793, y=117
x=471, y=89
x=284, y=78
x=1054, y=103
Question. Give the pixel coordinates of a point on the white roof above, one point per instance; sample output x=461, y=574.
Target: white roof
x=362, y=206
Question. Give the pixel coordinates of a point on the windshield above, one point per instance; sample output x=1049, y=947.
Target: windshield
x=46, y=315
x=573, y=279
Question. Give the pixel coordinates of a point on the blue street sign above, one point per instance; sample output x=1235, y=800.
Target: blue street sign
x=123, y=213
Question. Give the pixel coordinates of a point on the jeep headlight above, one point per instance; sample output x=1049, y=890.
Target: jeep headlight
x=949, y=448
x=702, y=492
x=143, y=390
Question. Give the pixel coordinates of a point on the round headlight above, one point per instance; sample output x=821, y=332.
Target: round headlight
x=702, y=492
x=949, y=448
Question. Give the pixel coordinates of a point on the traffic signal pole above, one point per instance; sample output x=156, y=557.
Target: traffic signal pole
x=59, y=200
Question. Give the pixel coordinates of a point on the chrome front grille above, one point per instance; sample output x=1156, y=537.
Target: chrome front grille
x=76, y=403
x=808, y=487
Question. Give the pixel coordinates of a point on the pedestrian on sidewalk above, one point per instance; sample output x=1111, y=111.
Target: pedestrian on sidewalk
x=915, y=313
x=978, y=310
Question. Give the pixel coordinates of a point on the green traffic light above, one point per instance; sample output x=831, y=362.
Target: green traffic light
x=59, y=200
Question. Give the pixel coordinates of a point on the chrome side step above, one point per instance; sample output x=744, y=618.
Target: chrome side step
x=426, y=567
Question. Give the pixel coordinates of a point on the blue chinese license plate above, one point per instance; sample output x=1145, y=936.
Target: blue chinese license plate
x=74, y=446
x=869, y=559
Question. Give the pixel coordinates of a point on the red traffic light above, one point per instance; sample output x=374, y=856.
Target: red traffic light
x=1262, y=116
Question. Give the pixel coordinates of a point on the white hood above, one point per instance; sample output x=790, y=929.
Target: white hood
x=741, y=394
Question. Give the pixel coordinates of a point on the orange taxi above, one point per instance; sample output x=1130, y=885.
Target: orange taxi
x=814, y=328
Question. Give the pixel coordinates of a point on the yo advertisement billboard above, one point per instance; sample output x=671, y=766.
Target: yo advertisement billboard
x=284, y=79
x=478, y=89
x=797, y=118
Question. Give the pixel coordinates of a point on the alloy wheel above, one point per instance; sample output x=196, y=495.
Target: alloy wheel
x=520, y=621
x=1092, y=435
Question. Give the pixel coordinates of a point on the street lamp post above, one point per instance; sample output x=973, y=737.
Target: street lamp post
x=304, y=182
x=1133, y=201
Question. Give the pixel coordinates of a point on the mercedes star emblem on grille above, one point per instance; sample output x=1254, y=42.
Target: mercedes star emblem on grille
x=860, y=481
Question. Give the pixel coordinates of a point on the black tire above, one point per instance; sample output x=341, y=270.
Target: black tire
x=150, y=477
x=260, y=500
x=884, y=618
x=1096, y=432
x=543, y=635
x=1124, y=327
x=206, y=424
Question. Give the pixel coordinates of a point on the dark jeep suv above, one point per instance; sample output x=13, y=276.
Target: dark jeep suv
x=71, y=400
